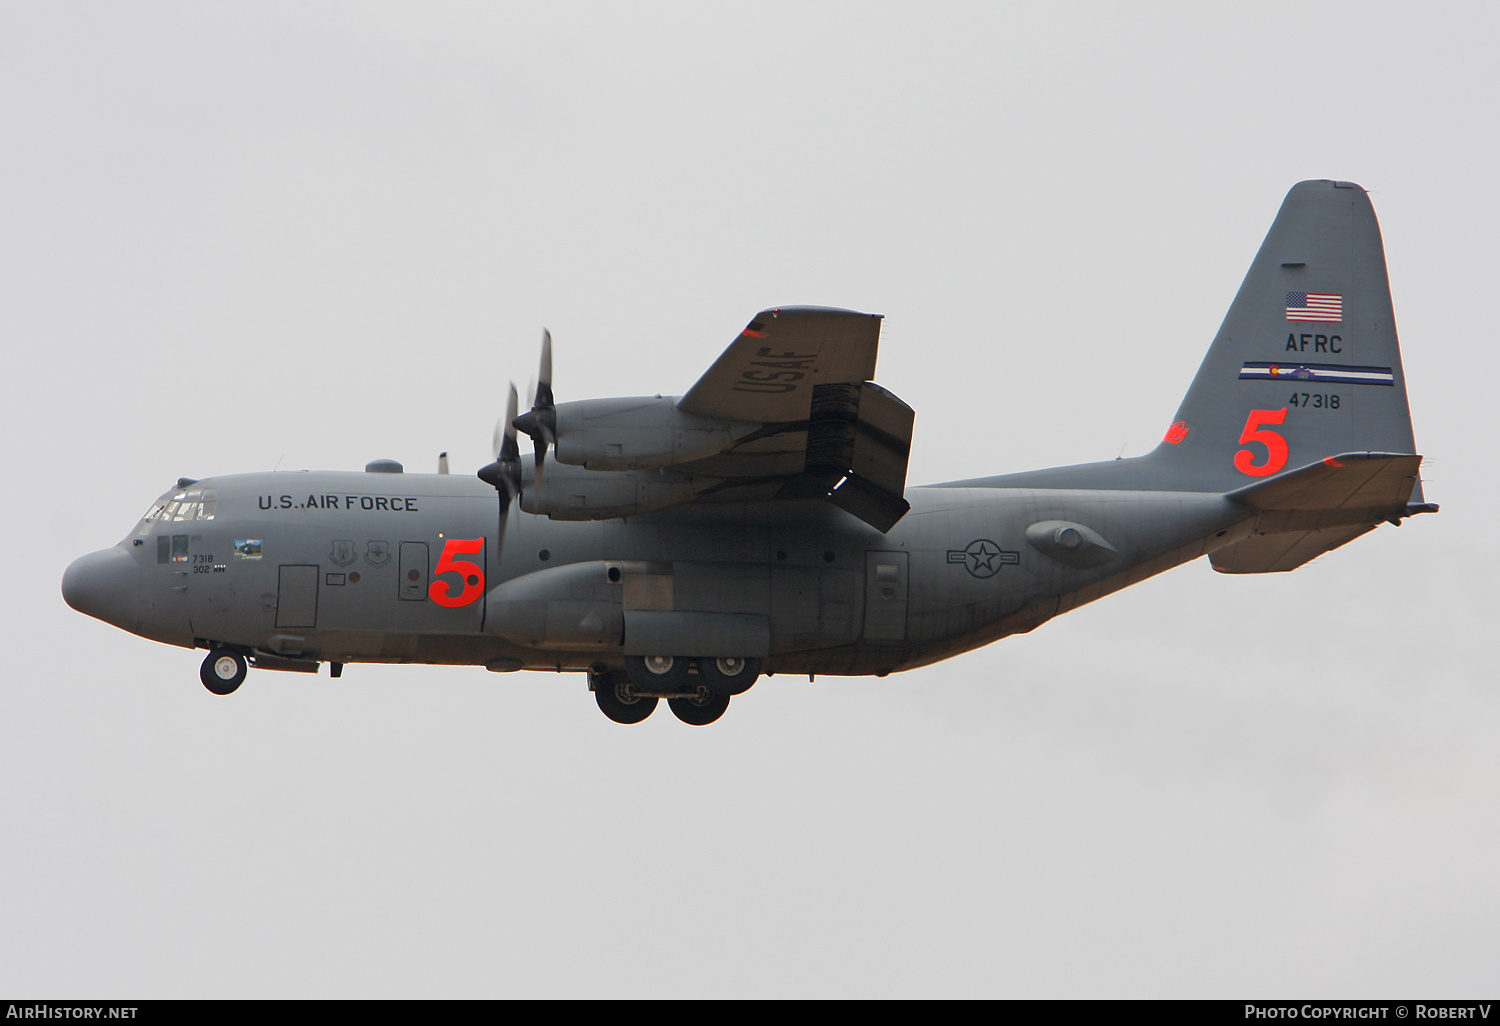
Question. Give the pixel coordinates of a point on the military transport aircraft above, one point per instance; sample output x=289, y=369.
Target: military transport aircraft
x=680, y=547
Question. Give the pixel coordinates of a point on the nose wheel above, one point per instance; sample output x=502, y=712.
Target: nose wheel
x=223, y=670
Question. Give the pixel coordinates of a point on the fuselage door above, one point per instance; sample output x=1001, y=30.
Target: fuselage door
x=414, y=566
x=297, y=597
x=885, y=596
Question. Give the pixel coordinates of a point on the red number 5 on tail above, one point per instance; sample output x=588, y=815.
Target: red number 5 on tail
x=1276, y=450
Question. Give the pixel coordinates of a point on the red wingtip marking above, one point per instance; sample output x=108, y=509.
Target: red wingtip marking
x=1176, y=433
x=753, y=334
x=1332, y=462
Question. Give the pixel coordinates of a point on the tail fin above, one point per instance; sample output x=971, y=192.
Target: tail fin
x=1306, y=364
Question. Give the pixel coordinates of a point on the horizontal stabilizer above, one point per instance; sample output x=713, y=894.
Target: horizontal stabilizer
x=1287, y=550
x=1351, y=480
x=1319, y=508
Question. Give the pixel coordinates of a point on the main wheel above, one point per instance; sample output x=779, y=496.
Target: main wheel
x=657, y=673
x=223, y=670
x=728, y=675
x=701, y=710
x=617, y=699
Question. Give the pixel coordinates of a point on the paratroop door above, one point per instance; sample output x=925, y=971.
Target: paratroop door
x=885, y=596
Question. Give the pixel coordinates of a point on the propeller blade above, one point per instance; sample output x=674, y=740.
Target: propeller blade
x=540, y=422
x=504, y=475
x=544, y=375
x=544, y=406
x=508, y=449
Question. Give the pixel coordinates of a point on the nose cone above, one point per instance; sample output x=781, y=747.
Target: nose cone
x=105, y=585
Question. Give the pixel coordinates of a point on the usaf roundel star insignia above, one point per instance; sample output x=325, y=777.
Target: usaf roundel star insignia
x=983, y=558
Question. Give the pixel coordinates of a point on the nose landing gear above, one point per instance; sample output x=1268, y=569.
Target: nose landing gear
x=223, y=670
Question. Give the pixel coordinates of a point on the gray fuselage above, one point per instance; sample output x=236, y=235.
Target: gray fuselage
x=351, y=567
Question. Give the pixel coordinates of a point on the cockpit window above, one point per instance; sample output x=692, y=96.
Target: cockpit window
x=188, y=504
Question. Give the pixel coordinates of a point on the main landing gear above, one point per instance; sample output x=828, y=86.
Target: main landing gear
x=701, y=709
x=618, y=699
x=697, y=690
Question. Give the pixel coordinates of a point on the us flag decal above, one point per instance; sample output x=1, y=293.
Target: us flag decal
x=1315, y=306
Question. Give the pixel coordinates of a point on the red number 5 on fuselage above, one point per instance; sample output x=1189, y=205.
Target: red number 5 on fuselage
x=470, y=574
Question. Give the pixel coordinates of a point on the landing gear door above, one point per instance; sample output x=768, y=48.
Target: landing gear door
x=885, y=596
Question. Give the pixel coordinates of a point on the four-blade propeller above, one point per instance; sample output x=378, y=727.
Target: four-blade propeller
x=540, y=422
x=504, y=474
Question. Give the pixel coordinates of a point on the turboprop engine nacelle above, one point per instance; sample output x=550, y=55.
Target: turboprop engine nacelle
x=577, y=493
x=639, y=434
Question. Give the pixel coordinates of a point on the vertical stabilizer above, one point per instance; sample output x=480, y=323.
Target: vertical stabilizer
x=1306, y=364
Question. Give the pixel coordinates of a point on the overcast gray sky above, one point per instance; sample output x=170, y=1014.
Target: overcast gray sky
x=243, y=236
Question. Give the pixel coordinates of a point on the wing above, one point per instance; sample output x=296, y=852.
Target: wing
x=767, y=375
x=826, y=430
x=788, y=411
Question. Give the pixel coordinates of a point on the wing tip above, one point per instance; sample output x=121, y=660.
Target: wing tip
x=809, y=312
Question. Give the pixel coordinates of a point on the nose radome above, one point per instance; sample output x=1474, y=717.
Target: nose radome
x=104, y=585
